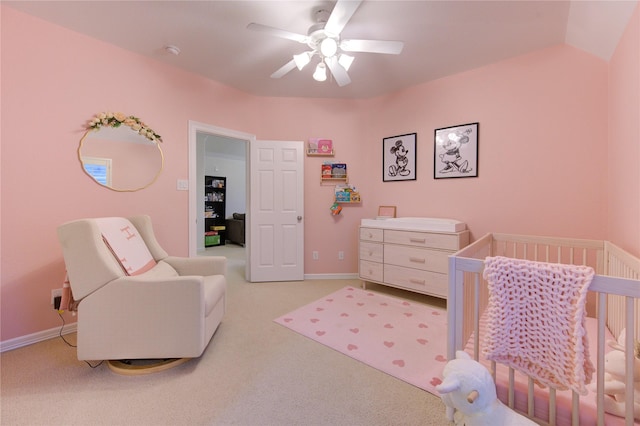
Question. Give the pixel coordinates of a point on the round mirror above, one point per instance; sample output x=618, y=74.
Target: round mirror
x=121, y=152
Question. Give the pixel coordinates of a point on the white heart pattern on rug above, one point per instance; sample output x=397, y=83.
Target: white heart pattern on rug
x=407, y=340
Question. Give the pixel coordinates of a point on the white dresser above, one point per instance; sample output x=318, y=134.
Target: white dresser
x=410, y=253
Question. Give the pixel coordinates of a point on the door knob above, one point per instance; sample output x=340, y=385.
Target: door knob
x=299, y=218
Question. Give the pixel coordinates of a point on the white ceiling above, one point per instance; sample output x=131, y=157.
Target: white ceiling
x=440, y=37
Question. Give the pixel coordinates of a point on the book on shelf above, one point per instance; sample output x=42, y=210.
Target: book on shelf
x=338, y=170
x=332, y=170
x=346, y=194
x=320, y=146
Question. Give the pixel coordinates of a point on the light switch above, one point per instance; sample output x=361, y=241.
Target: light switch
x=183, y=185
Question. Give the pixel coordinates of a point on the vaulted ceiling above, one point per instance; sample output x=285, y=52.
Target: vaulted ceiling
x=440, y=37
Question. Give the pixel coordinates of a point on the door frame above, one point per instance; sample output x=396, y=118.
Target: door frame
x=194, y=128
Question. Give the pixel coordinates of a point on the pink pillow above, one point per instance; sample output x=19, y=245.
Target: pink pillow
x=126, y=244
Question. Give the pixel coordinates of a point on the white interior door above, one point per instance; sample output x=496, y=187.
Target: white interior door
x=276, y=225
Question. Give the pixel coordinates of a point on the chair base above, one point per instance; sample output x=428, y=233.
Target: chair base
x=137, y=367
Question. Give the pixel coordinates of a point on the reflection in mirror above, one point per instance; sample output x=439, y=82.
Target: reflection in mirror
x=120, y=152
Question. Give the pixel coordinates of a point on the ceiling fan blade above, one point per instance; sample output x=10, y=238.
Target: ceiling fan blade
x=372, y=46
x=338, y=71
x=284, y=69
x=342, y=12
x=277, y=32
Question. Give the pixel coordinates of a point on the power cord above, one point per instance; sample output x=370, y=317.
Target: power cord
x=70, y=344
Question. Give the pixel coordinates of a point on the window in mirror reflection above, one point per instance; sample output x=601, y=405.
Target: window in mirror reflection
x=99, y=169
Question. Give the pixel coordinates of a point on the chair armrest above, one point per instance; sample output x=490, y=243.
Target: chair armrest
x=119, y=318
x=202, y=266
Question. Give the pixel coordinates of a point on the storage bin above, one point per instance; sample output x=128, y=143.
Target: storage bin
x=211, y=240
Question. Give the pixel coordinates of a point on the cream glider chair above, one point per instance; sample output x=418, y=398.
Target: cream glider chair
x=163, y=307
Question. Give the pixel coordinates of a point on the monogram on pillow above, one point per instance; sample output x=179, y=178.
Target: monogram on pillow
x=126, y=244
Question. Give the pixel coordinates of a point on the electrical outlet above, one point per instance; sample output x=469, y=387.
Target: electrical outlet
x=315, y=255
x=56, y=292
x=340, y=255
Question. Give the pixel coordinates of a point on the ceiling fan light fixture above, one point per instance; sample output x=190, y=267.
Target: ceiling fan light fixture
x=325, y=40
x=302, y=59
x=320, y=74
x=346, y=61
x=328, y=47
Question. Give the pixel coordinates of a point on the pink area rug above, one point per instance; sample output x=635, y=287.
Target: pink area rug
x=407, y=340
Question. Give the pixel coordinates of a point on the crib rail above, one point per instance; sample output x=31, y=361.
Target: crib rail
x=615, y=288
x=620, y=264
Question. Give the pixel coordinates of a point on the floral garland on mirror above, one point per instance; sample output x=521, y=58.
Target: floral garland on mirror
x=116, y=119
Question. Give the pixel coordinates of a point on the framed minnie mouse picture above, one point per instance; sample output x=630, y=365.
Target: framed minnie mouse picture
x=399, y=157
x=456, y=152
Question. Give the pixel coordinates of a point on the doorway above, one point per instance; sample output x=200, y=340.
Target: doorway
x=216, y=151
x=274, y=201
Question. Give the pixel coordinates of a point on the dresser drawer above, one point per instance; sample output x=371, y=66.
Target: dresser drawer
x=371, y=234
x=371, y=251
x=425, y=259
x=428, y=239
x=417, y=280
x=371, y=270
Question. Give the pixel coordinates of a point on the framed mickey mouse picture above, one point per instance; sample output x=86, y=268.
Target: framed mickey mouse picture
x=399, y=157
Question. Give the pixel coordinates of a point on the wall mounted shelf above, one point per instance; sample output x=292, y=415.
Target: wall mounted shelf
x=317, y=153
x=333, y=172
x=346, y=194
x=325, y=178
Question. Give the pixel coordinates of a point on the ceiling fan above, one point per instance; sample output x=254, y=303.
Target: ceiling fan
x=325, y=42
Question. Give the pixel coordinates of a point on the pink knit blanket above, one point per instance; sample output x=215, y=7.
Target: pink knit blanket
x=536, y=320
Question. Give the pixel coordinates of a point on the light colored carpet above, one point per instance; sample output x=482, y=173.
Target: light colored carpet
x=403, y=338
x=254, y=372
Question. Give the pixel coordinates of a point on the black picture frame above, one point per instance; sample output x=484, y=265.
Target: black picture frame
x=399, y=157
x=455, y=151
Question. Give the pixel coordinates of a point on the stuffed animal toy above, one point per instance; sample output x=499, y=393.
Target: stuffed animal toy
x=469, y=388
x=614, y=378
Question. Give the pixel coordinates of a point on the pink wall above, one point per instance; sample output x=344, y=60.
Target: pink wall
x=624, y=140
x=543, y=135
x=542, y=143
x=54, y=81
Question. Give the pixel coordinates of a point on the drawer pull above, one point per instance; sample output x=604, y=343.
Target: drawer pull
x=417, y=259
x=418, y=240
x=417, y=281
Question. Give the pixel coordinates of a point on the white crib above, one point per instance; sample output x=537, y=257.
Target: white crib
x=614, y=304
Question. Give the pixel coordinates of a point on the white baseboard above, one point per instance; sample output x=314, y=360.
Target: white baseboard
x=352, y=276
x=40, y=336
